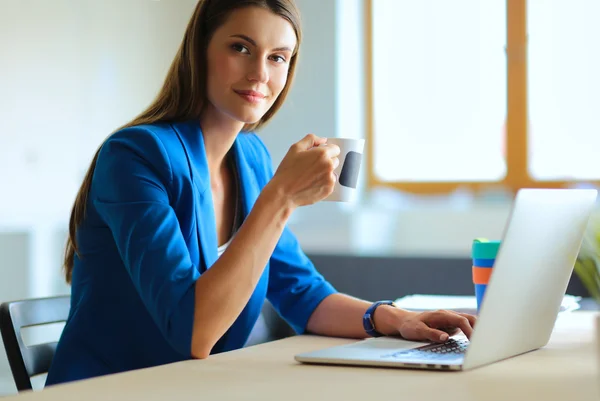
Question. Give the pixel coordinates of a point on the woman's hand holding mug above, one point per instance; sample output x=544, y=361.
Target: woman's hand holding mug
x=306, y=173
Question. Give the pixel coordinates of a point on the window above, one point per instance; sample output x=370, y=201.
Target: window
x=456, y=99
x=564, y=89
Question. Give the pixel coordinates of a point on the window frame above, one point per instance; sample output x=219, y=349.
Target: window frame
x=517, y=174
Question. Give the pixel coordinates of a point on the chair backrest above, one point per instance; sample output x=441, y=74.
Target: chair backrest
x=30, y=360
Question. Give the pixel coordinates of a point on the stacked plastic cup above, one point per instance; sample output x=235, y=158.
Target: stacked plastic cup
x=483, y=253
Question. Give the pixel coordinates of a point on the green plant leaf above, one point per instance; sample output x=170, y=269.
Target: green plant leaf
x=587, y=272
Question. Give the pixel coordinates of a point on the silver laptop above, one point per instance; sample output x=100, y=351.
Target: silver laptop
x=539, y=247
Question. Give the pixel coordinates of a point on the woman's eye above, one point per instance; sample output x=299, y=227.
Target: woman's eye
x=239, y=48
x=278, y=59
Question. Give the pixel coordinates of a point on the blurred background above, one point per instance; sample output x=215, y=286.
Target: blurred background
x=461, y=103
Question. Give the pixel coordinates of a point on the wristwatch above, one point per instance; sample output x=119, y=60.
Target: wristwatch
x=368, y=323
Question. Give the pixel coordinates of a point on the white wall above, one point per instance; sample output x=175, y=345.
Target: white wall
x=70, y=72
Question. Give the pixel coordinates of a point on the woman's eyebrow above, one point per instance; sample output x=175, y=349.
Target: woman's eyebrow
x=253, y=42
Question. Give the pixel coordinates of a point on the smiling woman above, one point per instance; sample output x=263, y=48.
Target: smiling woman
x=178, y=233
x=248, y=67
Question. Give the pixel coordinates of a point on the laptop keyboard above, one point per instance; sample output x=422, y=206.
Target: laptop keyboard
x=448, y=350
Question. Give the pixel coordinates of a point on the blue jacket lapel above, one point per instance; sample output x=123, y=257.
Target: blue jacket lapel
x=193, y=143
x=249, y=185
x=207, y=228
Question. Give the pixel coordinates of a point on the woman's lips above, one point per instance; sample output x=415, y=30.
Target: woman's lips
x=251, y=96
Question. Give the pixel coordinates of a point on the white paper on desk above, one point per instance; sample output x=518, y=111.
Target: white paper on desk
x=465, y=304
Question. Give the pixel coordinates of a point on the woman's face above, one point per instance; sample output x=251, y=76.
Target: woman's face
x=248, y=60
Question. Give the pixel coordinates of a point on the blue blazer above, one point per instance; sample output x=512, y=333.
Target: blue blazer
x=148, y=235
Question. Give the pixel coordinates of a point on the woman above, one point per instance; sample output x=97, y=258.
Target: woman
x=178, y=233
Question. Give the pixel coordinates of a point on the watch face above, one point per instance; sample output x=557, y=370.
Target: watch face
x=350, y=169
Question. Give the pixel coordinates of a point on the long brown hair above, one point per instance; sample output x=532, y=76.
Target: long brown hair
x=183, y=94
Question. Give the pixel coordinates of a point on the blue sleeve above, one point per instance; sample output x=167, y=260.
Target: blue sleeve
x=131, y=191
x=296, y=288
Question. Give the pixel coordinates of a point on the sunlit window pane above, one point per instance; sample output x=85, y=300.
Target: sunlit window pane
x=564, y=89
x=439, y=88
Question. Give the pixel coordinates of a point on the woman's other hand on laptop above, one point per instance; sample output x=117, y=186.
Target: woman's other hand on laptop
x=436, y=326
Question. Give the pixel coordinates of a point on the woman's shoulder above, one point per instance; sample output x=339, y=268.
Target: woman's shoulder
x=138, y=142
x=143, y=134
x=156, y=140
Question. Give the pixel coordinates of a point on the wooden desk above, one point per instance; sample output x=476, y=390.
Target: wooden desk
x=566, y=369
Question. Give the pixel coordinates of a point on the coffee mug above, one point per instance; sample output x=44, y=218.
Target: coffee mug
x=347, y=172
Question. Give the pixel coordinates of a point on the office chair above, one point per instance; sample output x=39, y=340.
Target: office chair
x=27, y=361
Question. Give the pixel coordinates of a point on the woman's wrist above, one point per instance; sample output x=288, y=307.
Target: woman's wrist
x=388, y=319
x=274, y=199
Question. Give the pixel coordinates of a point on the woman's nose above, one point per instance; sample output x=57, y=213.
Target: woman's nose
x=259, y=71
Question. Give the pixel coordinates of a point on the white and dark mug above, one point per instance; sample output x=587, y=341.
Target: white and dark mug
x=348, y=171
